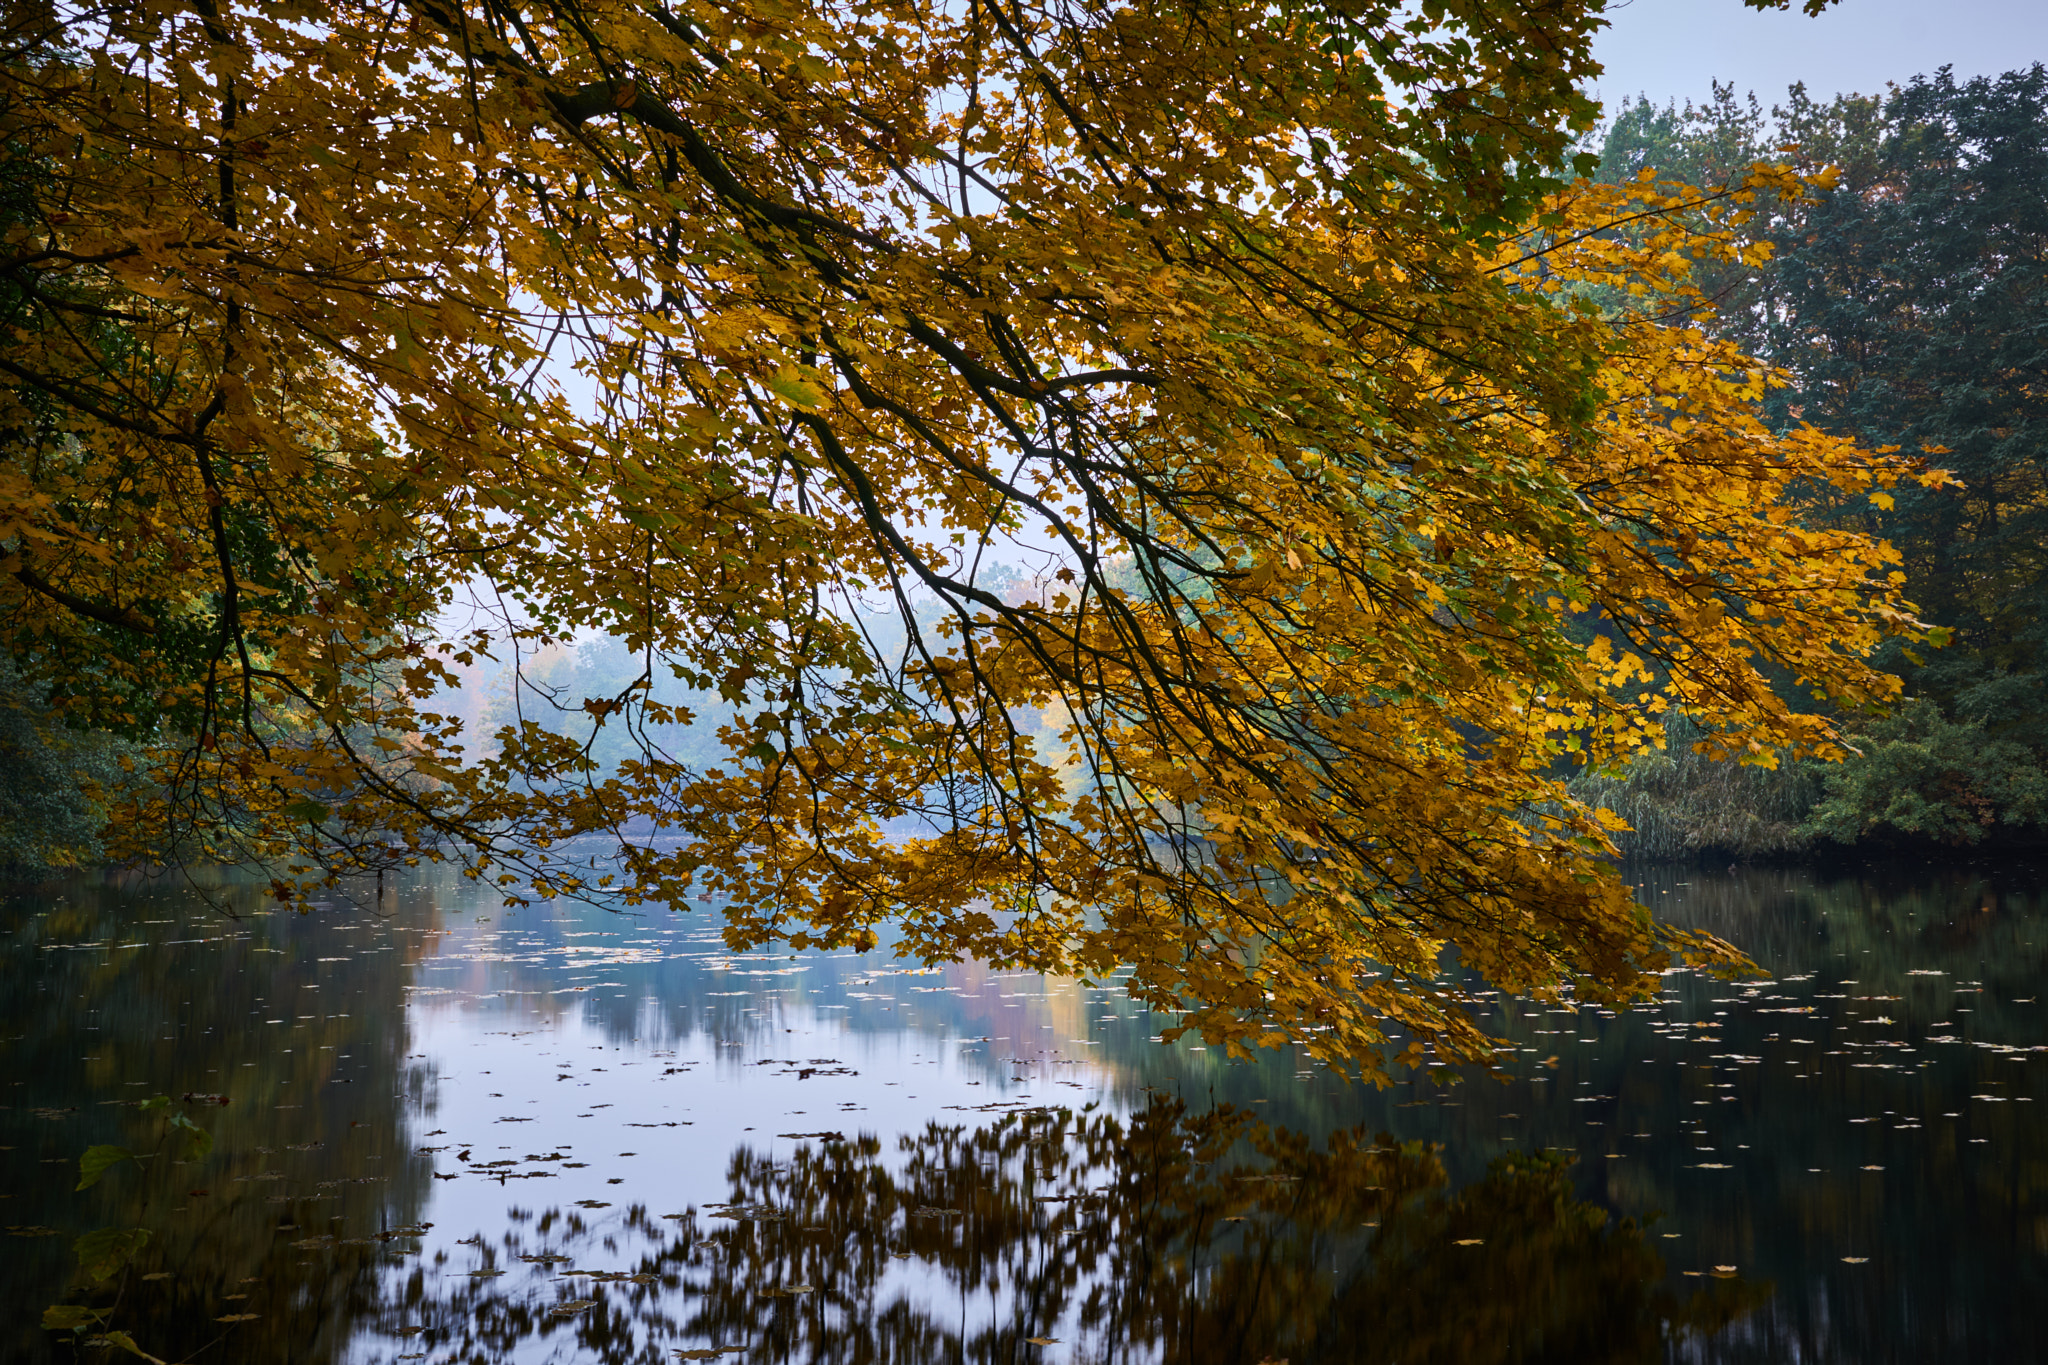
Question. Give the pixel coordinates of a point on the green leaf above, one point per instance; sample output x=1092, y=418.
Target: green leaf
x=96, y=1161
x=154, y=1103
x=794, y=391
x=69, y=1317
x=101, y=1254
x=127, y=1343
x=309, y=810
x=197, y=1141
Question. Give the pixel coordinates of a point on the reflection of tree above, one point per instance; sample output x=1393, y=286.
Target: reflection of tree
x=1166, y=1236
x=309, y=1145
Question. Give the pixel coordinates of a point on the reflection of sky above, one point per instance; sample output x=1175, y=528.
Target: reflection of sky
x=1783, y=1126
x=1868, y=1110
x=602, y=1037
x=641, y=1055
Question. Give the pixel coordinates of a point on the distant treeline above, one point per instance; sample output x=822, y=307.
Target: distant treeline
x=1909, y=305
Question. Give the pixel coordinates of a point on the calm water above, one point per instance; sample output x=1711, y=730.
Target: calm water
x=452, y=1133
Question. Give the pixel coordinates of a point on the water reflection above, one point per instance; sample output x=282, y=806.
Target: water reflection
x=1208, y=1238
x=121, y=991
x=441, y=1092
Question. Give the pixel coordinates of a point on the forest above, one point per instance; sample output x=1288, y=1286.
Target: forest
x=1905, y=306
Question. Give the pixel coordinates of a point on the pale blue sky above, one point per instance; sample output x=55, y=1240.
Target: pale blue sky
x=1670, y=49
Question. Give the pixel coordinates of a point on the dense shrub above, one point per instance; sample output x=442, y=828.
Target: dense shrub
x=50, y=775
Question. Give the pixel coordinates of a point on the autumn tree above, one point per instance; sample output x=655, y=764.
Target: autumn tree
x=714, y=328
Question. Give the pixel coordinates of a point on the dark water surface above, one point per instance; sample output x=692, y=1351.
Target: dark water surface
x=454, y=1133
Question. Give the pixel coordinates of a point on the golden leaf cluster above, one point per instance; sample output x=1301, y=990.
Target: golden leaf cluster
x=715, y=326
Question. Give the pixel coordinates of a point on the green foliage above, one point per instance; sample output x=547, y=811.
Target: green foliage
x=1924, y=776
x=1912, y=304
x=122, y=1341
x=1906, y=306
x=51, y=781
x=1681, y=804
x=97, y=1161
x=103, y=1252
x=193, y=1142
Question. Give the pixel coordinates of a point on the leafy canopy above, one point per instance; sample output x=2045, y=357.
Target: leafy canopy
x=1904, y=302
x=719, y=329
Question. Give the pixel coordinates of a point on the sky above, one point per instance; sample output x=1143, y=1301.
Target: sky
x=1675, y=49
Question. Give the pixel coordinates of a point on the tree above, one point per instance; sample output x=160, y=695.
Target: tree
x=1906, y=302
x=1913, y=314
x=1255, y=320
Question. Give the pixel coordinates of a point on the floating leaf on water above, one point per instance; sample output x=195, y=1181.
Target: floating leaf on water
x=1041, y=1341
x=410, y=1230
x=1859, y=1260
x=706, y=1352
x=484, y=1274
x=239, y=1317
x=1873, y=1168
x=1469, y=1242
x=572, y=1308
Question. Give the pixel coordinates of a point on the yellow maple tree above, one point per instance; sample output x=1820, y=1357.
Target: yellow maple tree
x=705, y=326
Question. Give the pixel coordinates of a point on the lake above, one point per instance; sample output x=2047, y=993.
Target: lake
x=442, y=1131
